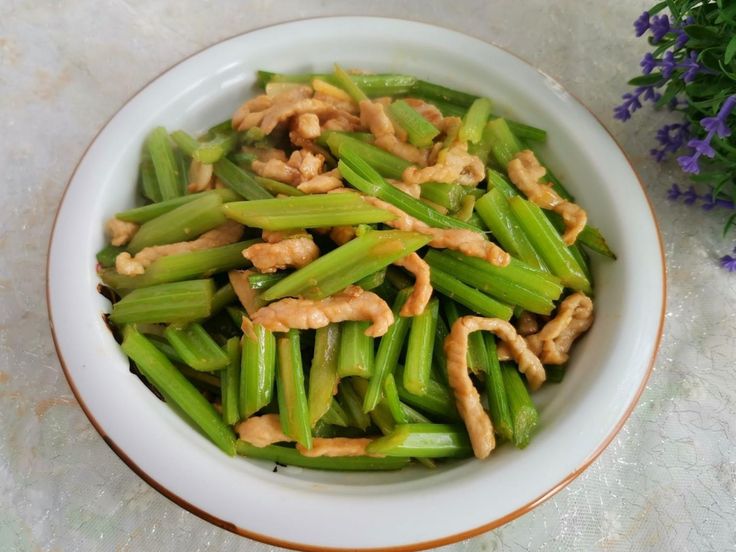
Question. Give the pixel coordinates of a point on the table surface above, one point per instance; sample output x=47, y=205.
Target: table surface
x=666, y=482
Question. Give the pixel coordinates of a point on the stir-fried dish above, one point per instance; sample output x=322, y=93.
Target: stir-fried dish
x=354, y=272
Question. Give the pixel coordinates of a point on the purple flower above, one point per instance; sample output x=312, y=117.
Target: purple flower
x=702, y=147
x=681, y=39
x=728, y=262
x=668, y=64
x=717, y=124
x=660, y=26
x=689, y=163
x=648, y=63
x=690, y=196
x=671, y=138
x=632, y=101
x=692, y=66
x=674, y=193
x=641, y=25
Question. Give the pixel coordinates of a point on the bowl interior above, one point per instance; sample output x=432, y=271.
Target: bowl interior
x=578, y=416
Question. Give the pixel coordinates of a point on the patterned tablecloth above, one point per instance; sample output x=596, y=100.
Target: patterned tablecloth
x=668, y=480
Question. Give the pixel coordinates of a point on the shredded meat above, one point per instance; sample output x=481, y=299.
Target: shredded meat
x=266, y=154
x=120, y=231
x=414, y=190
x=303, y=166
x=278, y=170
x=467, y=242
x=373, y=116
x=254, y=106
x=353, y=303
x=525, y=171
x=225, y=234
x=307, y=126
x=342, y=122
x=420, y=295
x=200, y=176
x=261, y=431
x=337, y=446
x=553, y=342
x=308, y=164
x=453, y=165
x=467, y=399
x=342, y=234
x=282, y=111
x=322, y=183
x=247, y=296
x=294, y=251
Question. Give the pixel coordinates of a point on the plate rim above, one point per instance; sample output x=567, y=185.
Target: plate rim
x=422, y=545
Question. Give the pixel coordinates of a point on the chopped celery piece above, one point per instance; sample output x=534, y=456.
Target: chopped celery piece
x=185, y=222
x=139, y=215
x=196, y=348
x=347, y=264
x=258, y=370
x=420, y=132
x=323, y=372
x=418, y=365
x=165, y=303
x=475, y=300
x=424, y=441
x=292, y=397
x=308, y=211
x=154, y=365
x=229, y=378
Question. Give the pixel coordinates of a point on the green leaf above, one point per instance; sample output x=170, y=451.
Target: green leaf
x=673, y=88
x=656, y=8
x=701, y=32
x=726, y=14
x=730, y=50
x=729, y=223
x=646, y=80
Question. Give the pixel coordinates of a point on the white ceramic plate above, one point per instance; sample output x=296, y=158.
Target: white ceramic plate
x=413, y=508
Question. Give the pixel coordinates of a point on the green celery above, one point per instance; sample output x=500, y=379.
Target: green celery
x=323, y=372
x=356, y=350
x=418, y=365
x=239, y=180
x=229, y=378
x=185, y=222
x=424, y=441
x=523, y=412
x=420, y=132
x=292, y=397
x=164, y=163
x=257, y=371
x=347, y=264
x=165, y=303
x=154, y=365
x=196, y=348
x=475, y=120
x=475, y=300
x=308, y=211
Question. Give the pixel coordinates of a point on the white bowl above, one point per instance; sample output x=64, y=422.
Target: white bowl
x=414, y=508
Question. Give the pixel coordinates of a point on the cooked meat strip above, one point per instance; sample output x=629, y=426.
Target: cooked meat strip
x=307, y=126
x=525, y=171
x=262, y=431
x=414, y=190
x=553, y=342
x=467, y=399
x=225, y=234
x=420, y=295
x=467, y=242
x=342, y=234
x=353, y=303
x=200, y=176
x=293, y=251
x=322, y=183
x=373, y=116
x=453, y=165
x=120, y=231
x=278, y=170
x=266, y=154
x=337, y=446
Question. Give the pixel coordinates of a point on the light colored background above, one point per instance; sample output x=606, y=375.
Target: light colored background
x=668, y=480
